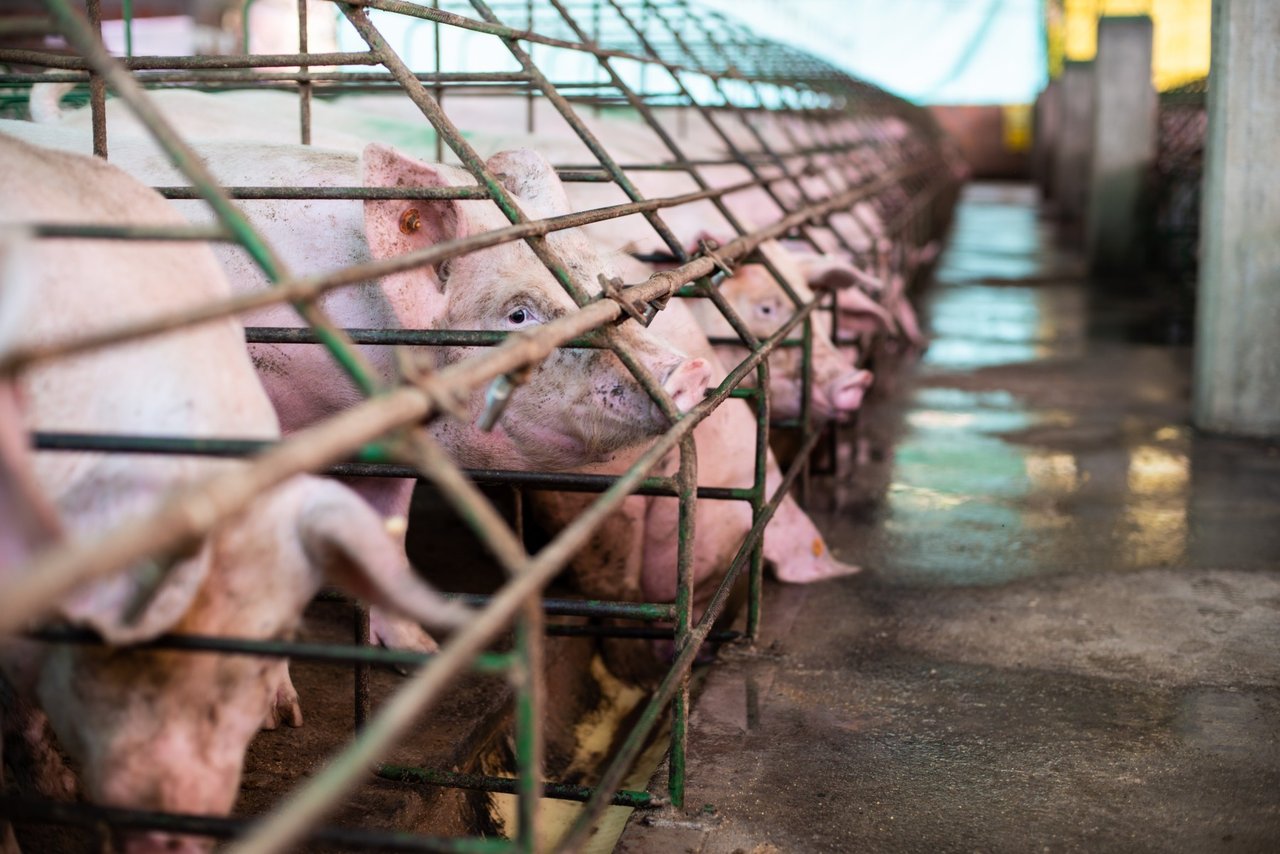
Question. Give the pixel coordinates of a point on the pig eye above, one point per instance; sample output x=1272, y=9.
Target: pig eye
x=519, y=316
x=767, y=309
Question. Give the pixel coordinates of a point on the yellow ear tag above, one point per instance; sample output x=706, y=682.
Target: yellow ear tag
x=818, y=548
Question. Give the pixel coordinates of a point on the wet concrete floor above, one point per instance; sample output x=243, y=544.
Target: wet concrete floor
x=1067, y=633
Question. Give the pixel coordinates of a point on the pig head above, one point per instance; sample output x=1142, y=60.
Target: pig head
x=577, y=406
x=164, y=730
x=838, y=384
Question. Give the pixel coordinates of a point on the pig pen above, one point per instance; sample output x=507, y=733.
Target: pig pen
x=836, y=164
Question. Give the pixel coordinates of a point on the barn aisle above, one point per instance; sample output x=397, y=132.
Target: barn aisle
x=1067, y=632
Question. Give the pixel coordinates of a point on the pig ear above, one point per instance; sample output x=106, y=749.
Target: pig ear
x=828, y=273
x=141, y=603
x=394, y=227
x=347, y=544
x=527, y=175
x=853, y=302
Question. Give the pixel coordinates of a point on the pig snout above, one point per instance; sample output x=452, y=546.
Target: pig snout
x=156, y=842
x=687, y=383
x=847, y=391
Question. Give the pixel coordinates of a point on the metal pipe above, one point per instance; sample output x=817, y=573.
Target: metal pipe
x=505, y=785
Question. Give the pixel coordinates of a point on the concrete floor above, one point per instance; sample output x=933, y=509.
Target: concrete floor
x=1067, y=633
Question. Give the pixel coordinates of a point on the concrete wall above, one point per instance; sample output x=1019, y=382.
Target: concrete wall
x=1237, y=377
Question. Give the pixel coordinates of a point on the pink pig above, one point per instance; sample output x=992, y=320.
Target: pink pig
x=167, y=730
x=577, y=407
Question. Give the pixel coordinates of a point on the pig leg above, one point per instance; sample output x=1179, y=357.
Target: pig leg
x=283, y=706
x=391, y=498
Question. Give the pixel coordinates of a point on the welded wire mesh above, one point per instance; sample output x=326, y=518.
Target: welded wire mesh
x=1181, y=131
x=703, y=94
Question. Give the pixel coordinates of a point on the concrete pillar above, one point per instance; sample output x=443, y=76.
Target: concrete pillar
x=1124, y=144
x=1237, y=360
x=1075, y=141
x=1044, y=137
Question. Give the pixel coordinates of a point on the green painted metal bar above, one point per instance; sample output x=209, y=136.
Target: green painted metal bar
x=325, y=653
x=186, y=63
x=93, y=817
x=579, y=128
x=340, y=193
x=94, y=231
x=403, y=337
x=126, y=9
x=304, y=86
x=527, y=679
x=665, y=692
x=79, y=35
x=303, y=807
x=314, y=286
x=506, y=785
x=369, y=461
x=687, y=480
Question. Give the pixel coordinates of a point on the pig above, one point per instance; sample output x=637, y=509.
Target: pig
x=167, y=730
x=633, y=556
x=271, y=117
x=28, y=521
x=577, y=407
x=838, y=385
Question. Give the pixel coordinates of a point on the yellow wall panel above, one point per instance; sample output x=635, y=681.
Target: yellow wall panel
x=1181, y=48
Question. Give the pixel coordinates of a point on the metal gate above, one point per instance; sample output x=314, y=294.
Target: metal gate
x=667, y=63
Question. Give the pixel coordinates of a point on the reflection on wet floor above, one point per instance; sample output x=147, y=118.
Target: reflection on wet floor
x=1025, y=443
x=1067, y=633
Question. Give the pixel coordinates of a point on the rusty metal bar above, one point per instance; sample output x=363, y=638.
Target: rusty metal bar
x=200, y=507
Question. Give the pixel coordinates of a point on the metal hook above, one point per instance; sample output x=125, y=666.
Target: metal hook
x=709, y=247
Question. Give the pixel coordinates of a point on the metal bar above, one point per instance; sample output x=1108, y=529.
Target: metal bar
x=340, y=193
x=304, y=806
x=418, y=11
x=79, y=35
x=169, y=63
x=313, y=286
x=687, y=479
x=193, y=512
x=635, y=632
x=585, y=607
x=97, y=86
x=324, y=653
x=401, y=337
x=506, y=785
x=361, y=699
x=374, y=453
x=527, y=679
x=631, y=747
x=304, y=86
x=93, y=231
x=27, y=811
x=583, y=132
